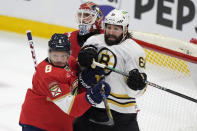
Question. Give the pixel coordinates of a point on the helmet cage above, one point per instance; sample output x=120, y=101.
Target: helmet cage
x=89, y=17
x=86, y=19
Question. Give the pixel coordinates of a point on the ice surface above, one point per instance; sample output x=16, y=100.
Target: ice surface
x=16, y=70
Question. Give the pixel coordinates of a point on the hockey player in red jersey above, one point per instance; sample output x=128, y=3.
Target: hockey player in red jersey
x=89, y=18
x=53, y=103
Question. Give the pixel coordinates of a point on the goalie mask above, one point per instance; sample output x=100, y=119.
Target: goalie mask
x=89, y=18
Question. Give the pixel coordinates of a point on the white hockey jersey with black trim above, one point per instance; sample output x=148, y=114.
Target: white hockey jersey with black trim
x=125, y=56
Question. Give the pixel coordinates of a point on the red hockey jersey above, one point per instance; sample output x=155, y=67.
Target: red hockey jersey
x=49, y=105
x=75, y=47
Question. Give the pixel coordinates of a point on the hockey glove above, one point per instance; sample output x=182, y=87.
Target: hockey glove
x=90, y=77
x=136, y=80
x=94, y=94
x=86, y=56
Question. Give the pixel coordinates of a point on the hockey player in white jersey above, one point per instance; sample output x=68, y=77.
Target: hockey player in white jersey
x=115, y=48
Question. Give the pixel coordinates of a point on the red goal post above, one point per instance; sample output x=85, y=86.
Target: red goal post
x=185, y=50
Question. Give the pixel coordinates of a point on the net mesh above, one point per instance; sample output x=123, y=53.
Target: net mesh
x=160, y=110
x=166, y=61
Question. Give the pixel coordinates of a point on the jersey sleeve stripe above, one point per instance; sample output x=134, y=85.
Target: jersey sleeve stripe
x=71, y=104
x=120, y=96
x=127, y=104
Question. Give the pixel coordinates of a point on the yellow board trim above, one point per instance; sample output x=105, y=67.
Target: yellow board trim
x=120, y=105
x=40, y=29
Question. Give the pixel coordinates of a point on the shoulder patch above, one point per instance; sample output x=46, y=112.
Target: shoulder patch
x=54, y=89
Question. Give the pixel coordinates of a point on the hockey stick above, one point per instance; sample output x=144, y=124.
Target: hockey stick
x=31, y=44
x=110, y=121
x=147, y=82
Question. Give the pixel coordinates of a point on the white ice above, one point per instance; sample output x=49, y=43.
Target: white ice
x=159, y=111
x=16, y=70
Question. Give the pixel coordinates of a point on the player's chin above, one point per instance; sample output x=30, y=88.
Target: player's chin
x=110, y=42
x=59, y=64
x=111, y=39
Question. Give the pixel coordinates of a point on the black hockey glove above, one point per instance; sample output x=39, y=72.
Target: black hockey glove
x=86, y=56
x=90, y=77
x=94, y=94
x=136, y=80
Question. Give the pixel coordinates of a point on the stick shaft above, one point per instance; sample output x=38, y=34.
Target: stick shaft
x=31, y=45
x=149, y=83
x=109, y=114
x=110, y=121
x=171, y=91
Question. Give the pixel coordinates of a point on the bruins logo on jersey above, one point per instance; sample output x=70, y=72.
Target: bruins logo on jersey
x=107, y=57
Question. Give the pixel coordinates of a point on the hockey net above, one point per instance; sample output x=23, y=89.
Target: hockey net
x=168, y=66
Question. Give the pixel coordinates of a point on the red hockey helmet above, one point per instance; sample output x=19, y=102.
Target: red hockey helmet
x=89, y=17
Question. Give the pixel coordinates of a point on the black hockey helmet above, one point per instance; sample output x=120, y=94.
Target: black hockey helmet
x=59, y=42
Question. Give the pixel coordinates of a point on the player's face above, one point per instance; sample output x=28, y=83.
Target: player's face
x=113, y=34
x=59, y=58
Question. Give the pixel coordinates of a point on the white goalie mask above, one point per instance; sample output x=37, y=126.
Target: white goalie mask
x=86, y=19
x=89, y=18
